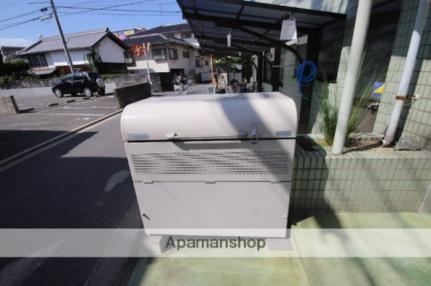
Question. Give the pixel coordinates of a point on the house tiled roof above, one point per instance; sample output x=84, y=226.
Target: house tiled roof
x=156, y=39
x=166, y=29
x=80, y=40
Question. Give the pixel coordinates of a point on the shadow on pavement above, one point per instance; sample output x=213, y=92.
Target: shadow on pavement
x=57, y=190
x=15, y=141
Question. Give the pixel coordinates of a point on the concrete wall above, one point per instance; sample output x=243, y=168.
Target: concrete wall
x=8, y=105
x=132, y=93
x=376, y=180
x=110, y=52
x=416, y=117
x=43, y=86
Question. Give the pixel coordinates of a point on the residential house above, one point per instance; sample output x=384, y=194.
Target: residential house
x=173, y=51
x=8, y=53
x=98, y=50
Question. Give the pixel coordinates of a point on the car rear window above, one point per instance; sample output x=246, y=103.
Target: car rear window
x=93, y=75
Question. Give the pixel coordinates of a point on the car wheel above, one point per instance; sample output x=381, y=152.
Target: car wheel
x=58, y=93
x=74, y=94
x=87, y=92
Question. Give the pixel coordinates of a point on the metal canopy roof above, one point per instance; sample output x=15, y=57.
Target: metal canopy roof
x=254, y=27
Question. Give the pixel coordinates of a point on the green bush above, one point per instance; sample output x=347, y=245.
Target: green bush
x=14, y=68
x=329, y=123
x=369, y=75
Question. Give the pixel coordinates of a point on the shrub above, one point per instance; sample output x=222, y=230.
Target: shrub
x=369, y=75
x=14, y=68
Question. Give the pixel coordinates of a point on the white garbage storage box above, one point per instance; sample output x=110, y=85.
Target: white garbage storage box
x=218, y=165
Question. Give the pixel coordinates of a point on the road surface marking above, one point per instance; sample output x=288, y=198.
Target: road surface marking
x=50, y=143
x=74, y=114
x=86, y=107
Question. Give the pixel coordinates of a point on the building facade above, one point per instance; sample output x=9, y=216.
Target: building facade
x=96, y=49
x=173, y=51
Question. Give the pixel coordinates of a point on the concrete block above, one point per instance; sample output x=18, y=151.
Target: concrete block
x=132, y=93
x=8, y=105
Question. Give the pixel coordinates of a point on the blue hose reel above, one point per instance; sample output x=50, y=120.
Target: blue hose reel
x=306, y=72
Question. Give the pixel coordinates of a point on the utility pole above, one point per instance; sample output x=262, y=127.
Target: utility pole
x=66, y=51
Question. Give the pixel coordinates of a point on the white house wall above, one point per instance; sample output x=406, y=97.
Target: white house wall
x=154, y=66
x=58, y=58
x=187, y=64
x=110, y=52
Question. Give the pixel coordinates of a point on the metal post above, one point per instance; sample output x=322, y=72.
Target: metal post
x=259, y=73
x=60, y=30
x=146, y=53
x=354, y=64
x=403, y=89
x=213, y=81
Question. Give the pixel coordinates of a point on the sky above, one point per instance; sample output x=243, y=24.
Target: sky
x=81, y=15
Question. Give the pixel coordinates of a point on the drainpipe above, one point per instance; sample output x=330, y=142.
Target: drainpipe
x=354, y=64
x=421, y=17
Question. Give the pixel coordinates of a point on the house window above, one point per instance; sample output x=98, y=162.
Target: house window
x=159, y=54
x=129, y=58
x=186, y=35
x=186, y=54
x=173, y=54
x=198, y=62
x=37, y=61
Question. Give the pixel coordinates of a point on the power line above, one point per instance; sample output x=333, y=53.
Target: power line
x=19, y=16
x=19, y=23
x=112, y=6
x=116, y=10
x=90, y=10
x=122, y=14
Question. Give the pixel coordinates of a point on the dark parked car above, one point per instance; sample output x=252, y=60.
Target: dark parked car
x=83, y=82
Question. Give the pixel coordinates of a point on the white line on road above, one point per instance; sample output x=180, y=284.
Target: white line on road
x=50, y=143
x=87, y=107
x=73, y=114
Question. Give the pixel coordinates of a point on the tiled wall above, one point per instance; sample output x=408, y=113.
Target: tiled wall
x=377, y=180
x=416, y=117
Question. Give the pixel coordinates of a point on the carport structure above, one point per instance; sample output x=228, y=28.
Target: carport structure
x=254, y=27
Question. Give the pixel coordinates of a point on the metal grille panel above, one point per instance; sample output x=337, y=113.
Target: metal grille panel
x=201, y=163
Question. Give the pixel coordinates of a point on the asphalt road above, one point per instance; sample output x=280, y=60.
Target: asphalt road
x=21, y=131
x=83, y=182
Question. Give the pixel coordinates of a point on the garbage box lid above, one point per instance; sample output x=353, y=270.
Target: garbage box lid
x=263, y=115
